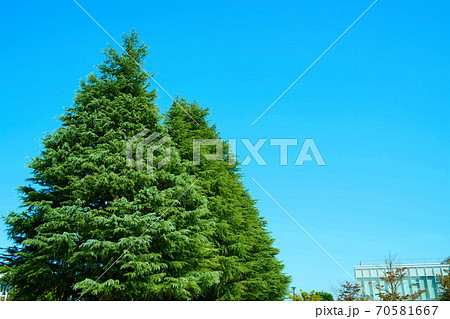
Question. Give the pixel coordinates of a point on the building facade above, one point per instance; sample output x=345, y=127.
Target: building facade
x=420, y=276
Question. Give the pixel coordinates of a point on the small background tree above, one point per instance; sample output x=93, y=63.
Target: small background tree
x=444, y=283
x=312, y=296
x=350, y=291
x=393, y=277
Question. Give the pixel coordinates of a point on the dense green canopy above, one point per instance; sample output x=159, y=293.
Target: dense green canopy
x=94, y=228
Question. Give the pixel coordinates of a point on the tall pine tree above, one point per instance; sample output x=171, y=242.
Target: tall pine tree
x=84, y=206
x=248, y=265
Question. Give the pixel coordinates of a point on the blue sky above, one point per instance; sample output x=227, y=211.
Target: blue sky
x=376, y=106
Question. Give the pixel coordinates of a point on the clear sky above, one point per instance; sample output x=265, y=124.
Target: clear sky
x=376, y=105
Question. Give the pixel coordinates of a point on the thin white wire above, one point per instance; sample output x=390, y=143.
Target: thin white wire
x=306, y=232
x=138, y=64
x=315, y=61
x=126, y=250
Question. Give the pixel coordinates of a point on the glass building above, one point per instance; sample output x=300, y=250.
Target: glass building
x=420, y=275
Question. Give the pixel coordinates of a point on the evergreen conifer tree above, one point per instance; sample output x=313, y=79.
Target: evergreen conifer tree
x=248, y=265
x=85, y=207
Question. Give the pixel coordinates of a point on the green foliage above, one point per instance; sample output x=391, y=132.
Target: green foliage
x=159, y=236
x=249, y=269
x=312, y=296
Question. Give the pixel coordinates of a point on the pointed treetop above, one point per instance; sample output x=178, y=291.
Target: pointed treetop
x=127, y=63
